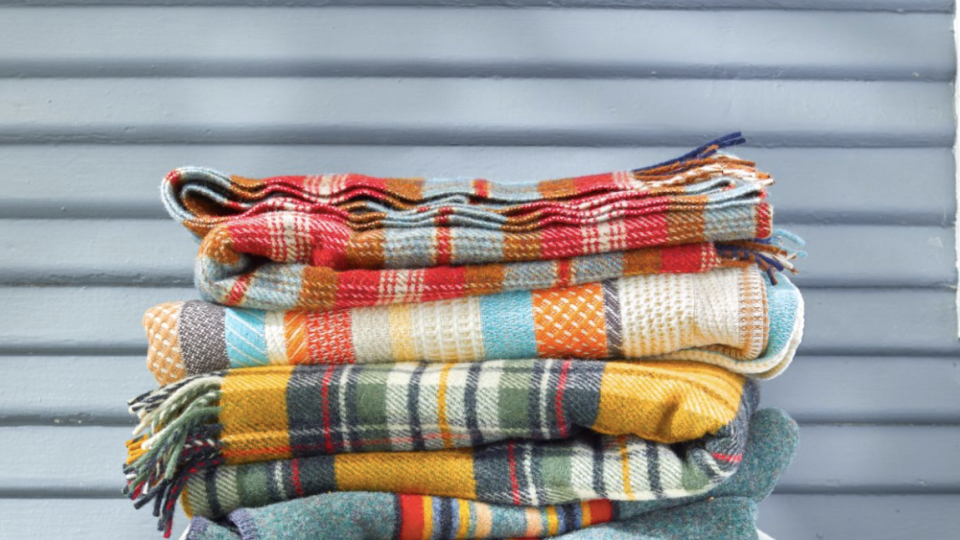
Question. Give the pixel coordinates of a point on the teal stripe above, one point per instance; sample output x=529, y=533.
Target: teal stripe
x=245, y=337
x=508, y=330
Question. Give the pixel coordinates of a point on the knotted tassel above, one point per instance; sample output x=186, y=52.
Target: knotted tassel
x=176, y=437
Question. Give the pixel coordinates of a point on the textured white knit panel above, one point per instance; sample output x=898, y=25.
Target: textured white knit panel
x=371, y=335
x=446, y=331
x=667, y=312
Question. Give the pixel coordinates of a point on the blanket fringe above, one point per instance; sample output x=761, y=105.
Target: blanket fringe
x=705, y=151
x=693, y=165
x=176, y=437
x=770, y=254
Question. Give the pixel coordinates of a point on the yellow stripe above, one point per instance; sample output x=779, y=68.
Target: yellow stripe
x=401, y=328
x=440, y=473
x=625, y=461
x=253, y=412
x=464, y=530
x=442, y=407
x=553, y=524
x=427, y=518
x=666, y=402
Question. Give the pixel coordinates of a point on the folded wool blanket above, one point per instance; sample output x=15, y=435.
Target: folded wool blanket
x=340, y=241
x=389, y=516
x=373, y=427
x=202, y=198
x=732, y=317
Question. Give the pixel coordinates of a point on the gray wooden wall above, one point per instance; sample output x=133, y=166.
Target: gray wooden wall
x=848, y=102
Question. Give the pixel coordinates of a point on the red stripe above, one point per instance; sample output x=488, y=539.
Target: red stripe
x=442, y=283
x=239, y=290
x=481, y=188
x=563, y=273
x=331, y=333
x=295, y=470
x=561, y=386
x=325, y=393
x=561, y=241
x=601, y=511
x=687, y=258
x=411, y=517
x=763, y=220
x=734, y=458
x=514, y=485
x=444, y=253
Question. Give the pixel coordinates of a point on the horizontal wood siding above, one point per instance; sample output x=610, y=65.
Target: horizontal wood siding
x=849, y=103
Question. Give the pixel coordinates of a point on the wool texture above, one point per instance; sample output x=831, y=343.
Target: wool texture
x=390, y=516
x=340, y=241
x=719, y=317
x=415, y=426
x=201, y=198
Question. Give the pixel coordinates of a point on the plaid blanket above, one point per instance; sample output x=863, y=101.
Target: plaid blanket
x=276, y=413
x=202, y=198
x=339, y=241
x=666, y=316
x=394, y=516
x=515, y=473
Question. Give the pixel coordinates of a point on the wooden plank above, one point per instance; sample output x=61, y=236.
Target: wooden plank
x=111, y=41
x=786, y=517
x=875, y=459
x=430, y=111
x=830, y=389
x=891, y=459
x=905, y=322
x=161, y=253
x=94, y=389
x=897, y=6
x=852, y=517
x=71, y=389
x=81, y=519
x=106, y=320
x=814, y=185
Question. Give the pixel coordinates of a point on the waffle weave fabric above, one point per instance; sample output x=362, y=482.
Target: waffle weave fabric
x=724, y=311
x=515, y=473
x=395, y=516
x=340, y=241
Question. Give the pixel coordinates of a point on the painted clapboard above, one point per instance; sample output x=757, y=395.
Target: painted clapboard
x=848, y=102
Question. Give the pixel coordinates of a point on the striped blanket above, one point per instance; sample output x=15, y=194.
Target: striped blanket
x=719, y=317
x=393, y=516
x=340, y=241
x=412, y=426
x=515, y=473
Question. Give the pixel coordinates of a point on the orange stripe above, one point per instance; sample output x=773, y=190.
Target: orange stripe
x=294, y=332
x=587, y=516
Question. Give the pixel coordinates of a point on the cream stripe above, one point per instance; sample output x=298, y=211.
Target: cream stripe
x=275, y=337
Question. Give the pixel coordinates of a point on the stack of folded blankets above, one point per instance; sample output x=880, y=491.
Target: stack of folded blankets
x=405, y=358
